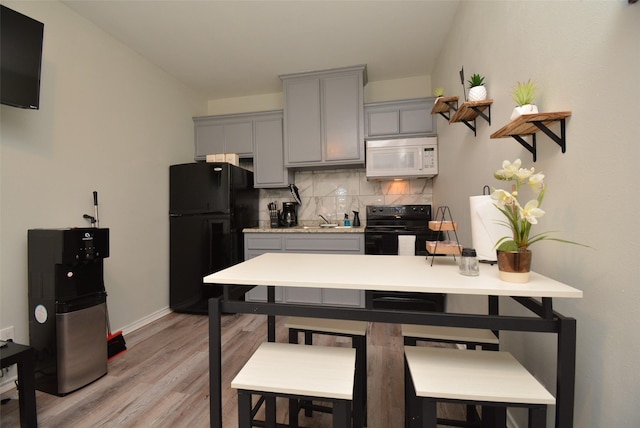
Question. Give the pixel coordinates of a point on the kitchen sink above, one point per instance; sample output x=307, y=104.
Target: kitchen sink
x=327, y=227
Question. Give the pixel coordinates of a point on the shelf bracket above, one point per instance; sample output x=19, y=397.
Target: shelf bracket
x=531, y=147
x=444, y=114
x=453, y=106
x=481, y=113
x=472, y=127
x=560, y=140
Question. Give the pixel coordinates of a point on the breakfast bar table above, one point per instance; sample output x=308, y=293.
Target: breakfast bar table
x=394, y=273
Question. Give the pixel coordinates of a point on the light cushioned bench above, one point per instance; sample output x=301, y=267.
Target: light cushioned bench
x=283, y=370
x=475, y=377
x=471, y=338
x=357, y=331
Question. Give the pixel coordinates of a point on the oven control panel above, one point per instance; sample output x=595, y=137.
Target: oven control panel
x=399, y=212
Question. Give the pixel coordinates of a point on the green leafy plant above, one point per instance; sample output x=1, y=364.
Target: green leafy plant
x=525, y=92
x=438, y=92
x=521, y=218
x=475, y=80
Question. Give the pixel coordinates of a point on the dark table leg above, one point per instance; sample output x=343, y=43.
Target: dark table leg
x=215, y=364
x=271, y=319
x=566, y=372
x=27, y=391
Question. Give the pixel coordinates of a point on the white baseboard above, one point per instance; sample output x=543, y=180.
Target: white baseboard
x=144, y=321
x=8, y=381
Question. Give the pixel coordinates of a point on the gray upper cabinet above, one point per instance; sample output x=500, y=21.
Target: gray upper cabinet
x=324, y=117
x=268, y=160
x=223, y=134
x=403, y=118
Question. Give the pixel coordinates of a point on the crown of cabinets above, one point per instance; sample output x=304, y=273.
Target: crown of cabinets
x=224, y=134
x=403, y=118
x=250, y=135
x=324, y=117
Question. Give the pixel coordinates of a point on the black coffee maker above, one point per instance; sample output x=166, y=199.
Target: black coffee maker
x=289, y=216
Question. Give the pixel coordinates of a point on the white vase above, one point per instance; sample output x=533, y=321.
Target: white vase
x=524, y=109
x=478, y=93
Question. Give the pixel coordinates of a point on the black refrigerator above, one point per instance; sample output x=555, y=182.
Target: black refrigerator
x=209, y=205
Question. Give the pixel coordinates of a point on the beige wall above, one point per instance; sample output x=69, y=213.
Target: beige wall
x=585, y=57
x=108, y=121
x=384, y=90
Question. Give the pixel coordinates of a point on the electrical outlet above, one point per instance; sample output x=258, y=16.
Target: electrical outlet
x=7, y=334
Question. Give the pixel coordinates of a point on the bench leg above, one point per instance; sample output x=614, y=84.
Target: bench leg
x=494, y=417
x=341, y=414
x=359, y=343
x=538, y=417
x=270, y=412
x=244, y=409
x=429, y=413
x=307, y=404
x=413, y=405
x=293, y=413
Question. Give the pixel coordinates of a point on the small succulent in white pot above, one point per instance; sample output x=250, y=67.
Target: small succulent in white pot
x=438, y=92
x=477, y=91
x=524, y=94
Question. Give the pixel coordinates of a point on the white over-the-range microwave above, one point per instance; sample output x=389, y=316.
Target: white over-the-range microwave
x=402, y=158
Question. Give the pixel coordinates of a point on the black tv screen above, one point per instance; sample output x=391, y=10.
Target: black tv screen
x=20, y=59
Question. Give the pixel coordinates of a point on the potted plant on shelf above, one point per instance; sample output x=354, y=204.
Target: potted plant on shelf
x=477, y=91
x=524, y=94
x=514, y=255
x=438, y=92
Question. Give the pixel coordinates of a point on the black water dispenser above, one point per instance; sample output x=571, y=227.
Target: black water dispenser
x=67, y=307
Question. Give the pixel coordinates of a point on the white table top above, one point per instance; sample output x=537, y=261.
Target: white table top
x=382, y=273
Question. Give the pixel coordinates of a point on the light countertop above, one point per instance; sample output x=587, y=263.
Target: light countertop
x=305, y=229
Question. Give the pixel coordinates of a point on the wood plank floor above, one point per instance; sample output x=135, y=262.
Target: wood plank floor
x=162, y=379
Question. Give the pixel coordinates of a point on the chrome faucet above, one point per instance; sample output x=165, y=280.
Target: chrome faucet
x=325, y=220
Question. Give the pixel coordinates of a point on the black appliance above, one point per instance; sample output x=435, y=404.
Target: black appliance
x=289, y=214
x=384, y=224
x=20, y=59
x=209, y=205
x=67, y=307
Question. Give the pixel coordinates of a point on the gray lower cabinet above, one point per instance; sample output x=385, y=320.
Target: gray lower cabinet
x=268, y=159
x=402, y=118
x=324, y=117
x=256, y=244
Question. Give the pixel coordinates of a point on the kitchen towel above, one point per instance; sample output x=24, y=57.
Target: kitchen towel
x=406, y=245
x=486, y=226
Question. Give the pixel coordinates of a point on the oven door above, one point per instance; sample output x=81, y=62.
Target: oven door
x=385, y=242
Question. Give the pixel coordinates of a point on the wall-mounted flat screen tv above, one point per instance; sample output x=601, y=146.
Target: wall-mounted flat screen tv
x=20, y=59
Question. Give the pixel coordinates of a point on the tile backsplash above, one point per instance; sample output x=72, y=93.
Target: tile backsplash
x=333, y=193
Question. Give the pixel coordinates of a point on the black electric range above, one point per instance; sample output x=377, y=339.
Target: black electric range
x=384, y=223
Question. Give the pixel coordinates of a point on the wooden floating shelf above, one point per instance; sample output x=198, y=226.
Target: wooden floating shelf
x=524, y=125
x=466, y=113
x=469, y=110
x=443, y=104
x=530, y=124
